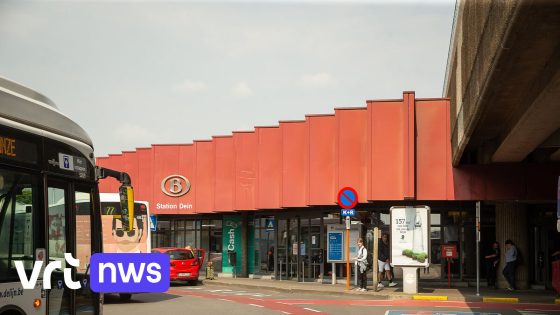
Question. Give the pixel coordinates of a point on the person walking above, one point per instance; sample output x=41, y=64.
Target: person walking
x=383, y=261
x=362, y=263
x=511, y=261
x=492, y=262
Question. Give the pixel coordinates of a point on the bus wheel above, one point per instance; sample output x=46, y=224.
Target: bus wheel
x=125, y=297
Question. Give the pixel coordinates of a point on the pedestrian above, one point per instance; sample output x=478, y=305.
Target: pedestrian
x=384, y=263
x=511, y=262
x=362, y=263
x=492, y=262
x=270, y=258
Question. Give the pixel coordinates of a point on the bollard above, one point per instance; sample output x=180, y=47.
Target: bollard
x=302, y=271
x=356, y=273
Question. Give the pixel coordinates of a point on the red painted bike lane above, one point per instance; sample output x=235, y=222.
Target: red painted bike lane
x=296, y=306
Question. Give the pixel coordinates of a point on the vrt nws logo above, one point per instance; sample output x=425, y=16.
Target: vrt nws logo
x=175, y=185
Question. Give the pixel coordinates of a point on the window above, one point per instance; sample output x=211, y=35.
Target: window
x=17, y=202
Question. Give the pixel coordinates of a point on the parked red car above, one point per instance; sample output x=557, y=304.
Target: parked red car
x=184, y=264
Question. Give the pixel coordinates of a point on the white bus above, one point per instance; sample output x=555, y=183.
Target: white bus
x=49, y=203
x=117, y=240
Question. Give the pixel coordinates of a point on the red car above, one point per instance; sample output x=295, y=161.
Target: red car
x=184, y=264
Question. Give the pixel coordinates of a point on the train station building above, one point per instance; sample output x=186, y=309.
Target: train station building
x=269, y=194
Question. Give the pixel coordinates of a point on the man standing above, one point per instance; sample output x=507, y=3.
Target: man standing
x=492, y=262
x=361, y=259
x=511, y=261
x=384, y=262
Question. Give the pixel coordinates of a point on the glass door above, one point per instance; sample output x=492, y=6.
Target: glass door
x=59, y=301
x=86, y=299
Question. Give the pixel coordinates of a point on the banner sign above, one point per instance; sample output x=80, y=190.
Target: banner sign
x=231, y=241
x=335, y=246
x=410, y=231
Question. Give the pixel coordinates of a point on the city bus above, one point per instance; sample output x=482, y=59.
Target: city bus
x=115, y=239
x=49, y=203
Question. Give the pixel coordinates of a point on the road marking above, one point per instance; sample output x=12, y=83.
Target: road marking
x=226, y=300
x=310, y=309
x=286, y=312
x=257, y=305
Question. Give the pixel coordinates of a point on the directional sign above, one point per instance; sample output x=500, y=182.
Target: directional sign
x=347, y=198
x=269, y=223
x=153, y=222
x=348, y=212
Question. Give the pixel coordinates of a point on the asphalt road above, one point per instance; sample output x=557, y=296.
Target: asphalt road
x=229, y=300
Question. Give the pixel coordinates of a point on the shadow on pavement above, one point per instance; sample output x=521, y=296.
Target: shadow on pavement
x=139, y=298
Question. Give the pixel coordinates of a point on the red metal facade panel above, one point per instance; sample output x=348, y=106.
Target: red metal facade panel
x=322, y=160
x=270, y=168
x=187, y=168
x=143, y=187
x=431, y=150
x=204, y=176
x=448, y=157
x=409, y=146
x=353, y=145
x=295, y=164
x=387, y=150
x=245, y=170
x=224, y=195
x=166, y=163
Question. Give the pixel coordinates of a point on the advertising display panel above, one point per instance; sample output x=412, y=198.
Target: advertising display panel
x=410, y=242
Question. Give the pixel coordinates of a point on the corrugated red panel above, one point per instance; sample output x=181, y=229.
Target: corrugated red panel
x=322, y=160
x=387, y=152
x=431, y=149
x=166, y=158
x=204, y=176
x=295, y=163
x=353, y=145
x=225, y=173
x=246, y=166
x=187, y=168
x=143, y=187
x=270, y=168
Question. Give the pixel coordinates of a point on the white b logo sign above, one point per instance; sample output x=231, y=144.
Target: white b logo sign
x=175, y=185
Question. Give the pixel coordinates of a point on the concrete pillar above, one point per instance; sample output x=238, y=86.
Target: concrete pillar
x=511, y=223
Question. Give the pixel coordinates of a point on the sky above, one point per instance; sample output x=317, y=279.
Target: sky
x=137, y=73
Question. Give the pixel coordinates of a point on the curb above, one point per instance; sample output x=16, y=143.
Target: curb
x=499, y=299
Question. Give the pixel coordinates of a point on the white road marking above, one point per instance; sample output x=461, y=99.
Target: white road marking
x=285, y=312
x=226, y=300
x=310, y=309
x=256, y=305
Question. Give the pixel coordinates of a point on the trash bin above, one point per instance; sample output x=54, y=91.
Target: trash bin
x=232, y=259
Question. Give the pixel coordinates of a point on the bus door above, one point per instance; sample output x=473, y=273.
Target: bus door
x=70, y=210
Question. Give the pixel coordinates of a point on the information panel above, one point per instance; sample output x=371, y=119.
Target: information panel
x=335, y=249
x=410, y=242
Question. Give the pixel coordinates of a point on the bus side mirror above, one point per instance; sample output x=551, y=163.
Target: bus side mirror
x=126, y=194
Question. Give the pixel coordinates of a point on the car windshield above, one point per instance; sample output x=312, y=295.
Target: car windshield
x=180, y=254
